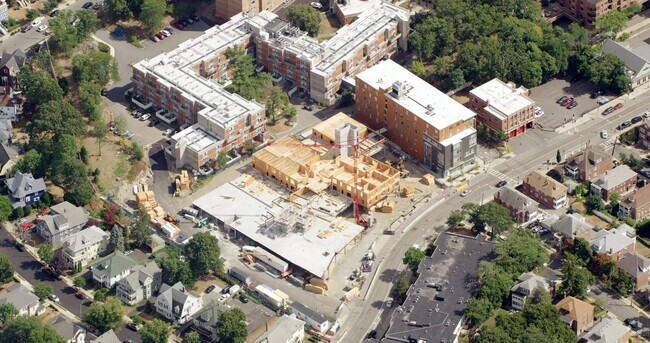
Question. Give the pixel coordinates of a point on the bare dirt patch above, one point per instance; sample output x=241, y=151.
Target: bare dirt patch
x=329, y=26
x=279, y=126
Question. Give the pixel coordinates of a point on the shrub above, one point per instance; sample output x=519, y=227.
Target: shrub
x=103, y=47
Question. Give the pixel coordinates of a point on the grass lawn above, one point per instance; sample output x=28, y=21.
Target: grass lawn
x=643, y=250
x=492, y=320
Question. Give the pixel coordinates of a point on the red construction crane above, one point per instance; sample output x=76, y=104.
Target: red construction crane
x=345, y=144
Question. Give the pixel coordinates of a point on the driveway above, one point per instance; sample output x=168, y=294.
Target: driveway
x=619, y=307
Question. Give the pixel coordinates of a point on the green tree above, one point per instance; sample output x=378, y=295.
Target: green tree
x=575, y=278
x=140, y=231
x=6, y=208
x=87, y=24
x=418, y=69
x=495, y=287
x=116, y=240
x=601, y=265
x=56, y=118
x=192, y=337
x=558, y=156
x=632, y=161
x=136, y=151
x=594, y=203
x=31, y=14
x=612, y=21
x=478, y=311
x=46, y=253
x=413, y=257
x=8, y=312
x=97, y=66
x=80, y=282
x=6, y=270
x=614, y=198
x=401, y=287
x=175, y=271
x=305, y=18
x=43, y=290
x=83, y=154
x=17, y=213
x=118, y=10
x=222, y=159
x=78, y=189
x=244, y=80
x=155, y=331
x=580, y=248
x=106, y=316
x=580, y=190
x=64, y=34
x=99, y=132
x=455, y=80
x=30, y=162
x=433, y=36
x=623, y=283
x=608, y=71
x=152, y=14
x=500, y=137
x=231, y=326
x=520, y=252
x=90, y=99
x=455, y=218
x=39, y=87
x=540, y=296
x=203, y=254
x=276, y=101
x=29, y=329
x=493, y=215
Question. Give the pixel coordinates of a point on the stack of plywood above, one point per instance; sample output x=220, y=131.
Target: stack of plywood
x=146, y=200
x=408, y=191
x=428, y=180
x=183, y=184
x=319, y=283
x=386, y=206
x=314, y=289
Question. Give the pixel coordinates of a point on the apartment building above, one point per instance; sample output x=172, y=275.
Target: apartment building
x=619, y=180
x=522, y=208
x=586, y=12
x=226, y=9
x=545, y=190
x=142, y=282
x=526, y=285
x=502, y=107
x=614, y=243
x=63, y=221
x=84, y=246
x=424, y=122
x=589, y=164
x=635, y=205
x=347, y=11
x=177, y=304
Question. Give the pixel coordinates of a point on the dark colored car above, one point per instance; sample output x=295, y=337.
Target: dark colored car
x=210, y=288
x=560, y=100
x=243, y=299
x=104, y=91
x=636, y=119
x=178, y=26
x=566, y=101
x=225, y=290
x=572, y=105
x=501, y=183
x=195, y=18
x=608, y=110
x=79, y=295
x=160, y=36
x=618, y=106
x=152, y=123
x=596, y=94
x=54, y=13
x=372, y=334
x=87, y=5
x=184, y=22
x=26, y=28
x=20, y=247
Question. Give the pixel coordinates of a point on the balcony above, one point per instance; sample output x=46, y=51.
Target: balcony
x=166, y=116
x=140, y=101
x=560, y=202
x=276, y=77
x=259, y=69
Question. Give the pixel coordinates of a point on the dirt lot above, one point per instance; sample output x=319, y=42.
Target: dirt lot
x=329, y=26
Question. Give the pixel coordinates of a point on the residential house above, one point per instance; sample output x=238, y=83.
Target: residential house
x=10, y=64
x=112, y=269
x=140, y=284
x=609, y=330
x=522, y=208
x=24, y=189
x=525, y=286
x=11, y=105
x=576, y=313
x=638, y=267
x=84, y=246
x=545, y=190
x=288, y=329
x=621, y=180
x=615, y=242
x=63, y=221
x=314, y=319
x=23, y=300
x=635, y=205
x=572, y=226
x=70, y=331
x=156, y=243
x=176, y=304
x=8, y=158
x=205, y=320
x=5, y=131
x=107, y=337
x=637, y=61
x=589, y=164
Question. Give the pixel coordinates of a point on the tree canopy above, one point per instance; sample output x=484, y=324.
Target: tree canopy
x=152, y=14
x=155, y=331
x=608, y=71
x=491, y=214
x=244, y=80
x=6, y=270
x=116, y=240
x=29, y=329
x=6, y=208
x=46, y=253
x=98, y=66
x=611, y=21
x=231, y=326
x=39, y=87
x=8, y=312
x=413, y=257
x=106, y=316
x=575, y=278
x=203, y=254
x=304, y=17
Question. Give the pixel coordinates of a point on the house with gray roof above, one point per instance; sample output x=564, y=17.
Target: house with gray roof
x=24, y=189
x=140, y=284
x=522, y=208
x=5, y=131
x=638, y=267
x=112, y=269
x=636, y=66
x=70, y=331
x=107, y=337
x=63, y=221
x=615, y=242
x=314, y=319
x=204, y=321
x=525, y=286
x=23, y=300
x=10, y=64
x=8, y=157
x=288, y=329
x=621, y=180
x=572, y=226
x=177, y=304
x=84, y=246
x=608, y=330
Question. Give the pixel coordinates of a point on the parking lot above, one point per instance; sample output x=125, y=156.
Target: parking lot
x=556, y=115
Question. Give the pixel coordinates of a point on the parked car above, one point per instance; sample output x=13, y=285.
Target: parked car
x=168, y=132
x=178, y=25
x=636, y=119
x=646, y=115
x=98, y=6
x=20, y=247
x=79, y=295
x=225, y=290
x=389, y=302
x=36, y=23
x=170, y=30
x=373, y=334
x=87, y=5
x=501, y=183
x=243, y=299
x=54, y=298
x=160, y=36
x=608, y=110
x=128, y=134
x=41, y=28
x=618, y=106
x=185, y=22
x=572, y=105
x=104, y=91
x=189, y=20
x=154, y=38
x=603, y=100
x=195, y=18
x=153, y=123
x=603, y=134
x=145, y=117
x=465, y=192
x=26, y=28
x=596, y=94
x=165, y=33
x=567, y=101
x=54, y=13
x=316, y=5
x=624, y=125
x=560, y=100
x=210, y=288
x=134, y=326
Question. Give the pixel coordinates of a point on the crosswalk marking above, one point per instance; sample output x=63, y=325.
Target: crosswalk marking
x=607, y=144
x=501, y=176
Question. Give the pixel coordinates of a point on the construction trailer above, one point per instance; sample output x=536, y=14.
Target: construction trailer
x=241, y=276
x=268, y=294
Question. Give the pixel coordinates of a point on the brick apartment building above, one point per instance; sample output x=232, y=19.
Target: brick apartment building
x=635, y=205
x=621, y=180
x=589, y=164
x=522, y=208
x=503, y=107
x=586, y=12
x=226, y=9
x=644, y=136
x=424, y=122
x=545, y=190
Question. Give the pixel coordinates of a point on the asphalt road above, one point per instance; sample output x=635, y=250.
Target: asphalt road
x=532, y=150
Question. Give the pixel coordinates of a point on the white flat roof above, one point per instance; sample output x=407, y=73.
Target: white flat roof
x=245, y=209
x=196, y=137
x=423, y=100
x=504, y=98
x=355, y=7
